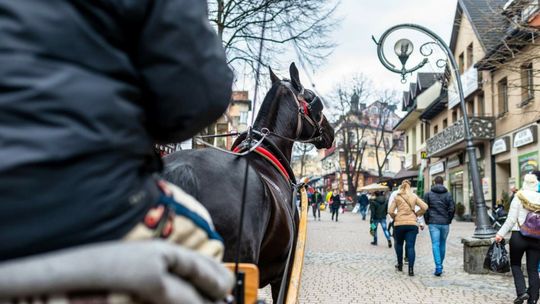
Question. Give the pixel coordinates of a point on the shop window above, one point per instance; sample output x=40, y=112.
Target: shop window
x=406, y=143
x=527, y=83
x=502, y=98
x=480, y=105
x=470, y=55
x=461, y=63
x=244, y=117
x=470, y=107
x=445, y=123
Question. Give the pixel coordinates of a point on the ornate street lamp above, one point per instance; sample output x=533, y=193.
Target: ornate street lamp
x=403, y=49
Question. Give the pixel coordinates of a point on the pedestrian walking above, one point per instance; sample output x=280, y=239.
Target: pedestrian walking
x=379, y=208
x=405, y=223
x=363, y=202
x=316, y=200
x=336, y=204
x=525, y=202
x=441, y=208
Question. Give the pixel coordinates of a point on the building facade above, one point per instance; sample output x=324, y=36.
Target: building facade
x=378, y=139
x=512, y=70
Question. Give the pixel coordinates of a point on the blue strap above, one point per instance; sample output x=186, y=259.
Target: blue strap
x=182, y=210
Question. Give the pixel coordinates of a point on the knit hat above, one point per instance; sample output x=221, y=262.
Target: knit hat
x=530, y=182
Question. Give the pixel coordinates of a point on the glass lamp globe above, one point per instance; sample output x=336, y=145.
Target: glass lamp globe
x=403, y=47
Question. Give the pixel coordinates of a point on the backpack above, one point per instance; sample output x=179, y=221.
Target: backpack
x=531, y=226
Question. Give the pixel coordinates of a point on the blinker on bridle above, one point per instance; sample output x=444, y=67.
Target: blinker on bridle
x=305, y=111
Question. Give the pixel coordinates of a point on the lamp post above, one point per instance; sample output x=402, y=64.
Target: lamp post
x=403, y=49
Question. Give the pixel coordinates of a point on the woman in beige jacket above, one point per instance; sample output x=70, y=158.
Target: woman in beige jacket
x=402, y=210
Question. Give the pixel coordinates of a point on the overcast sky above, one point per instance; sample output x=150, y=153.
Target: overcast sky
x=356, y=52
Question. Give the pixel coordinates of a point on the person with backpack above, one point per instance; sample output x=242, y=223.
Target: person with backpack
x=316, y=200
x=524, y=221
x=378, y=208
x=441, y=208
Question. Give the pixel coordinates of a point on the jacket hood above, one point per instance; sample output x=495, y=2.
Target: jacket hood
x=380, y=199
x=439, y=189
x=530, y=200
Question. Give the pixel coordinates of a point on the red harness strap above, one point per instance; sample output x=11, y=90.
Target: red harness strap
x=270, y=157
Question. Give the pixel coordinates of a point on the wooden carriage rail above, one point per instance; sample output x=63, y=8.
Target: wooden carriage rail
x=298, y=263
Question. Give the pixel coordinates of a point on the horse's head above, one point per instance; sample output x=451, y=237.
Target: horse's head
x=312, y=125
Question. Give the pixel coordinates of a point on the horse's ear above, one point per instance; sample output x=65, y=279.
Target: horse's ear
x=295, y=77
x=273, y=76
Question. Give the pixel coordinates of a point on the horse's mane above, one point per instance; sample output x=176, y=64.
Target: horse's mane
x=268, y=105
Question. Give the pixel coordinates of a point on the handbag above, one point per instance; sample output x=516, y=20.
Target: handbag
x=531, y=226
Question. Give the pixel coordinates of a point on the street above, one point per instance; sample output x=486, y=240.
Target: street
x=342, y=267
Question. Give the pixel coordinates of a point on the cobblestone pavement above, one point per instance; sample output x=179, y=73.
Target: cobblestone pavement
x=342, y=267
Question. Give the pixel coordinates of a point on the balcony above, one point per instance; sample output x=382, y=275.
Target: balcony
x=452, y=138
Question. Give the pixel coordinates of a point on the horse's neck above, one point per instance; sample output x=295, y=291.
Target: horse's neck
x=283, y=121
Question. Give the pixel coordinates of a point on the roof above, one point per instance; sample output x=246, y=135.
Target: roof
x=487, y=21
x=425, y=80
x=436, y=107
x=404, y=173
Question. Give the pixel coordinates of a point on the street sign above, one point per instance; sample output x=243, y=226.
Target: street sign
x=423, y=155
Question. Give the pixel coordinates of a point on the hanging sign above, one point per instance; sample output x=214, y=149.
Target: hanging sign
x=500, y=145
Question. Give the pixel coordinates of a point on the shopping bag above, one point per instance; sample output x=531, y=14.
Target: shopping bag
x=356, y=208
x=372, y=229
x=497, y=259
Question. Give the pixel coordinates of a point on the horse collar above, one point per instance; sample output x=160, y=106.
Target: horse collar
x=282, y=167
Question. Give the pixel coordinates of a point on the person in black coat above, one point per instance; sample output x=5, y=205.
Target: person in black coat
x=379, y=208
x=363, y=202
x=336, y=204
x=87, y=88
x=438, y=217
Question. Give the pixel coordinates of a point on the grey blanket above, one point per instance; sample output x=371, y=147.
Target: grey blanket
x=153, y=271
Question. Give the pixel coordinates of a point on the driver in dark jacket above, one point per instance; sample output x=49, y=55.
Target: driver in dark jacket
x=438, y=217
x=87, y=87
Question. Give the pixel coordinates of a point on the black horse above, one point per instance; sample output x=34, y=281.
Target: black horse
x=288, y=113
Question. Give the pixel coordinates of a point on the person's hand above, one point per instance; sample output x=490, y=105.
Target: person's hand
x=498, y=238
x=421, y=227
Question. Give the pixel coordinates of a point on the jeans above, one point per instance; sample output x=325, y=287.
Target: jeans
x=336, y=212
x=520, y=245
x=363, y=211
x=316, y=208
x=438, y=234
x=382, y=222
x=405, y=234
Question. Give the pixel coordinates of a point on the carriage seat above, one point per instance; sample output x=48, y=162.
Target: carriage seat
x=115, y=272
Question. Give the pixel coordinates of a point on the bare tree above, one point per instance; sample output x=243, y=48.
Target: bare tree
x=302, y=150
x=385, y=139
x=304, y=23
x=351, y=127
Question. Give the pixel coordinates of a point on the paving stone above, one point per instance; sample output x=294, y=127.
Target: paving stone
x=342, y=267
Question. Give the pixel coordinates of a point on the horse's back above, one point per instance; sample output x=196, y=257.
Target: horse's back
x=216, y=179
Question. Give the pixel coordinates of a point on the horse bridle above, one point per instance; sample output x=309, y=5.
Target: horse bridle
x=305, y=111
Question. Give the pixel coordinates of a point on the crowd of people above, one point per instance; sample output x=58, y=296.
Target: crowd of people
x=411, y=213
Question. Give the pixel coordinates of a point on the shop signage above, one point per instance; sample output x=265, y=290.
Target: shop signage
x=525, y=136
x=408, y=161
x=453, y=162
x=469, y=81
x=500, y=145
x=527, y=163
x=486, y=186
x=436, y=168
x=478, y=151
x=423, y=155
